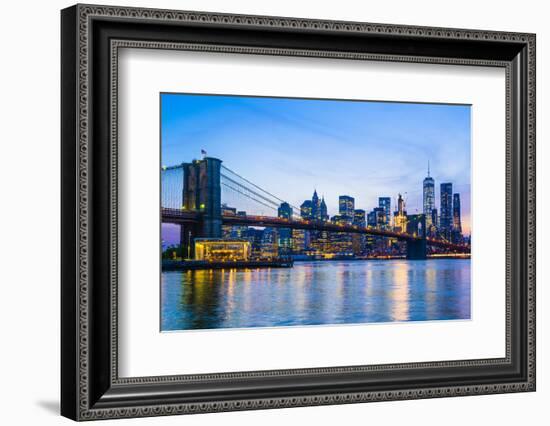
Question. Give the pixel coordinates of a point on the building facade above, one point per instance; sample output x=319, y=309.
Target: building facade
x=346, y=207
x=457, y=220
x=219, y=250
x=385, y=204
x=285, y=234
x=400, y=215
x=359, y=241
x=446, y=210
x=428, y=199
x=306, y=209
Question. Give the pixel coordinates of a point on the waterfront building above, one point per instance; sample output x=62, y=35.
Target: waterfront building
x=320, y=241
x=340, y=242
x=220, y=250
x=284, y=241
x=370, y=244
x=428, y=198
x=446, y=210
x=385, y=204
x=269, y=246
x=300, y=241
x=254, y=237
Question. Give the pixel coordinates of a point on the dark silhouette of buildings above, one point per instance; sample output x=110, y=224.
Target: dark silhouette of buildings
x=446, y=210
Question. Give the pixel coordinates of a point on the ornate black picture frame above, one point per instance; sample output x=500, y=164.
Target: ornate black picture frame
x=91, y=37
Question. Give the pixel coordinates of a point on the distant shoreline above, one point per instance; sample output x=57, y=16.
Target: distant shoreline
x=461, y=257
x=191, y=265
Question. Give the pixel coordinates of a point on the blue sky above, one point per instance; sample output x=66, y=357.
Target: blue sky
x=292, y=146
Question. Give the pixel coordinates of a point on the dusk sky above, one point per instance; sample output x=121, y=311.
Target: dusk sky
x=292, y=146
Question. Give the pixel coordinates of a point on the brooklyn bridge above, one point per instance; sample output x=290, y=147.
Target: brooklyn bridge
x=192, y=195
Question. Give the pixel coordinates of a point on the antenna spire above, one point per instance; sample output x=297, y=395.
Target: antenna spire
x=428, y=168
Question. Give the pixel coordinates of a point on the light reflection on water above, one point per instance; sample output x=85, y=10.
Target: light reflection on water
x=314, y=293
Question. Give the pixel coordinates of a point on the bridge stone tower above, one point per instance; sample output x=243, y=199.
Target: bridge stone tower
x=416, y=225
x=202, y=193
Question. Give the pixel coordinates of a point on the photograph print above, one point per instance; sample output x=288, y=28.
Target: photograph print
x=279, y=212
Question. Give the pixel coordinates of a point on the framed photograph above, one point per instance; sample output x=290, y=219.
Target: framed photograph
x=263, y=212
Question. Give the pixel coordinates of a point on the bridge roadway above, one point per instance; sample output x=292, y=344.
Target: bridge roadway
x=182, y=217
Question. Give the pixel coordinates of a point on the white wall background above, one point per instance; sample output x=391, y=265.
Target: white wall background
x=29, y=212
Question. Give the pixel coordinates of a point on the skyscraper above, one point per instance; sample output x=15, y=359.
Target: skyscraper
x=346, y=207
x=285, y=234
x=457, y=222
x=306, y=209
x=300, y=240
x=428, y=199
x=316, y=206
x=377, y=218
x=401, y=205
x=446, y=210
x=285, y=210
x=323, y=236
x=435, y=220
x=314, y=209
x=371, y=218
x=385, y=203
x=269, y=245
x=359, y=218
x=303, y=236
x=400, y=215
x=359, y=240
x=341, y=242
x=324, y=210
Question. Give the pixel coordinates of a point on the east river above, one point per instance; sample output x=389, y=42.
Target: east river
x=315, y=293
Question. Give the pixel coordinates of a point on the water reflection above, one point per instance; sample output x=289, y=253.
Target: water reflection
x=312, y=293
x=400, y=292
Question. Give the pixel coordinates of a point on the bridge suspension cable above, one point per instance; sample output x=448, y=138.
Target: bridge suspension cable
x=258, y=191
x=241, y=192
x=235, y=183
x=172, y=189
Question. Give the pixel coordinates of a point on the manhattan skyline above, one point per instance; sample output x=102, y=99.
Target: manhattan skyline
x=362, y=149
